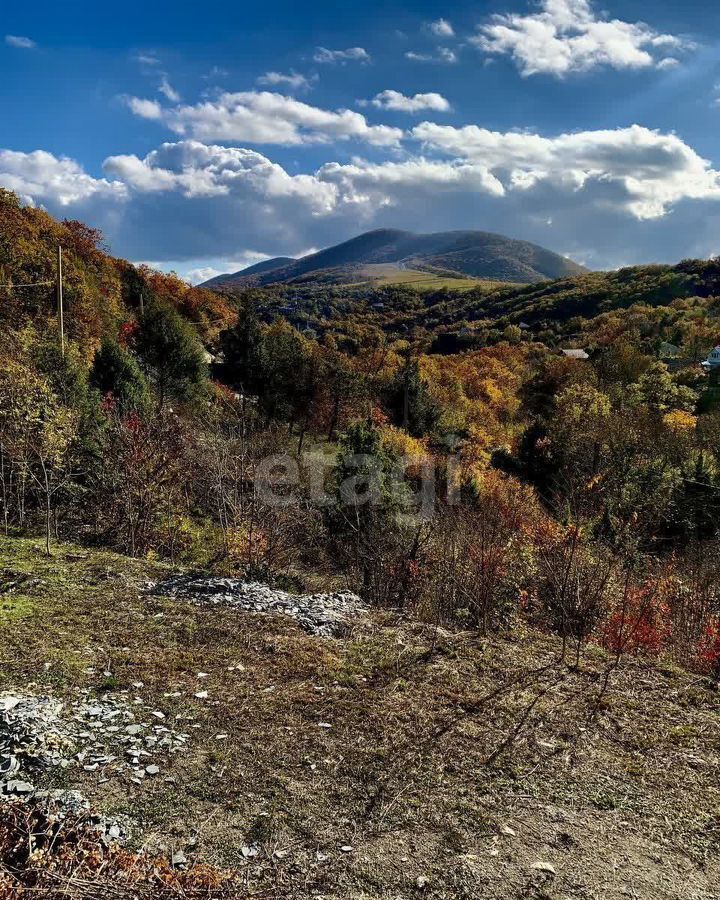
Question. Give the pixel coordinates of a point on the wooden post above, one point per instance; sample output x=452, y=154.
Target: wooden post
x=60, y=312
x=142, y=304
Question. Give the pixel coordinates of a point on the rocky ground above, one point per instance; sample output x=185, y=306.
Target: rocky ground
x=320, y=614
x=389, y=760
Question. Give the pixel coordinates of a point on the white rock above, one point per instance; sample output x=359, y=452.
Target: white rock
x=542, y=866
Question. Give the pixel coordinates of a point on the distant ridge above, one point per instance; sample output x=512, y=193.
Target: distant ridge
x=478, y=254
x=260, y=268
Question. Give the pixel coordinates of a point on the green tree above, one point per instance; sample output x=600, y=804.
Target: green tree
x=288, y=373
x=115, y=371
x=410, y=403
x=171, y=350
x=36, y=440
x=242, y=348
x=659, y=393
x=364, y=521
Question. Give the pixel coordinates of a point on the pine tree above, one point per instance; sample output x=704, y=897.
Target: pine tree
x=171, y=350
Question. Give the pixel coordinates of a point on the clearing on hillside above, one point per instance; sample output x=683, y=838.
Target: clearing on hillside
x=398, y=760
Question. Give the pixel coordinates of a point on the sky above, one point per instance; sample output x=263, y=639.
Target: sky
x=202, y=138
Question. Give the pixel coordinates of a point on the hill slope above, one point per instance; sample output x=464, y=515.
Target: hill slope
x=261, y=268
x=100, y=291
x=590, y=294
x=477, y=253
x=398, y=760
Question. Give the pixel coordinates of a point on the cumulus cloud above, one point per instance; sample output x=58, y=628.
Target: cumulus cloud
x=398, y=102
x=293, y=80
x=40, y=177
x=352, y=54
x=567, y=36
x=441, y=55
x=383, y=184
x=263, y=117
x=22, y=43
x=198, y=170
x=644, y=171
x=441, y=28
x=609, y=197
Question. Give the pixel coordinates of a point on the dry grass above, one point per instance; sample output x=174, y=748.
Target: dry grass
x=439, y=743
x=389, y=273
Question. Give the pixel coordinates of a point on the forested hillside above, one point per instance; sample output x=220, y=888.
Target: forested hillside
x=101, y=293
x=519, y=530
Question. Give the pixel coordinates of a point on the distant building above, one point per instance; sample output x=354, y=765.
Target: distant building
x=575, y=354
x=713, y=360
x=466, y=332
x=668, y=350
x=524, y=326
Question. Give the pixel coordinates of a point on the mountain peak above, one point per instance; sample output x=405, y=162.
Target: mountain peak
x=478, y=254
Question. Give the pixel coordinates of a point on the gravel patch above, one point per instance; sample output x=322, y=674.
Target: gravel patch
x=106, y=736
x=325, y=615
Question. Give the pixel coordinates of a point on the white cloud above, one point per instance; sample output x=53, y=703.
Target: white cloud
x=147, y=59
x=199, y=170
x=643, y=171
x=22, y=43
x=215, y=72
x=197, y=271
x=398, y=102
x=568, y=36
x=263, y=117
x=167, y=90
x=441, y=55
x=145, y=109
x=42, y=177
x=204, y=273
x=441, y=28
x=352, y=54
x=611, y=197
x=293, y=80
x=371, y=184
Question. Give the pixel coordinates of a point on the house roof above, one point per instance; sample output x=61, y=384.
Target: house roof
x=576, y=354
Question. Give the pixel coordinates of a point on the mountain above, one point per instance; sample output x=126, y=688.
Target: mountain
x=261, y=268
x=479, y=254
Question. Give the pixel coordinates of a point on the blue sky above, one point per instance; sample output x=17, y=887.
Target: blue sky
x=205, y=137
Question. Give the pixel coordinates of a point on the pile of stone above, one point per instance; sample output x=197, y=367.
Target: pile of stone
x=320, y=614
x=107, y=736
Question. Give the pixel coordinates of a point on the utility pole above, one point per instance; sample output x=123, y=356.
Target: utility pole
x=61, y=317
x=142, y=305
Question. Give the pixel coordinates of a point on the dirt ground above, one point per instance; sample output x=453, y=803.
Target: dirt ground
x=399, y=761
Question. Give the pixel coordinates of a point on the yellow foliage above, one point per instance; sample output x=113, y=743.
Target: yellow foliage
x=679, y=421
x=399, y=443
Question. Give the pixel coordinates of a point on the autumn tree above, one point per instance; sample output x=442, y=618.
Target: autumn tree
x=36, y=437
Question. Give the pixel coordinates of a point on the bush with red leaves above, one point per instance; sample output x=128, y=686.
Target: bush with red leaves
x=44, y=853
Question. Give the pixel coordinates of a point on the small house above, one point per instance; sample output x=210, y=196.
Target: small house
x=573, y=353
x=713, y=360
